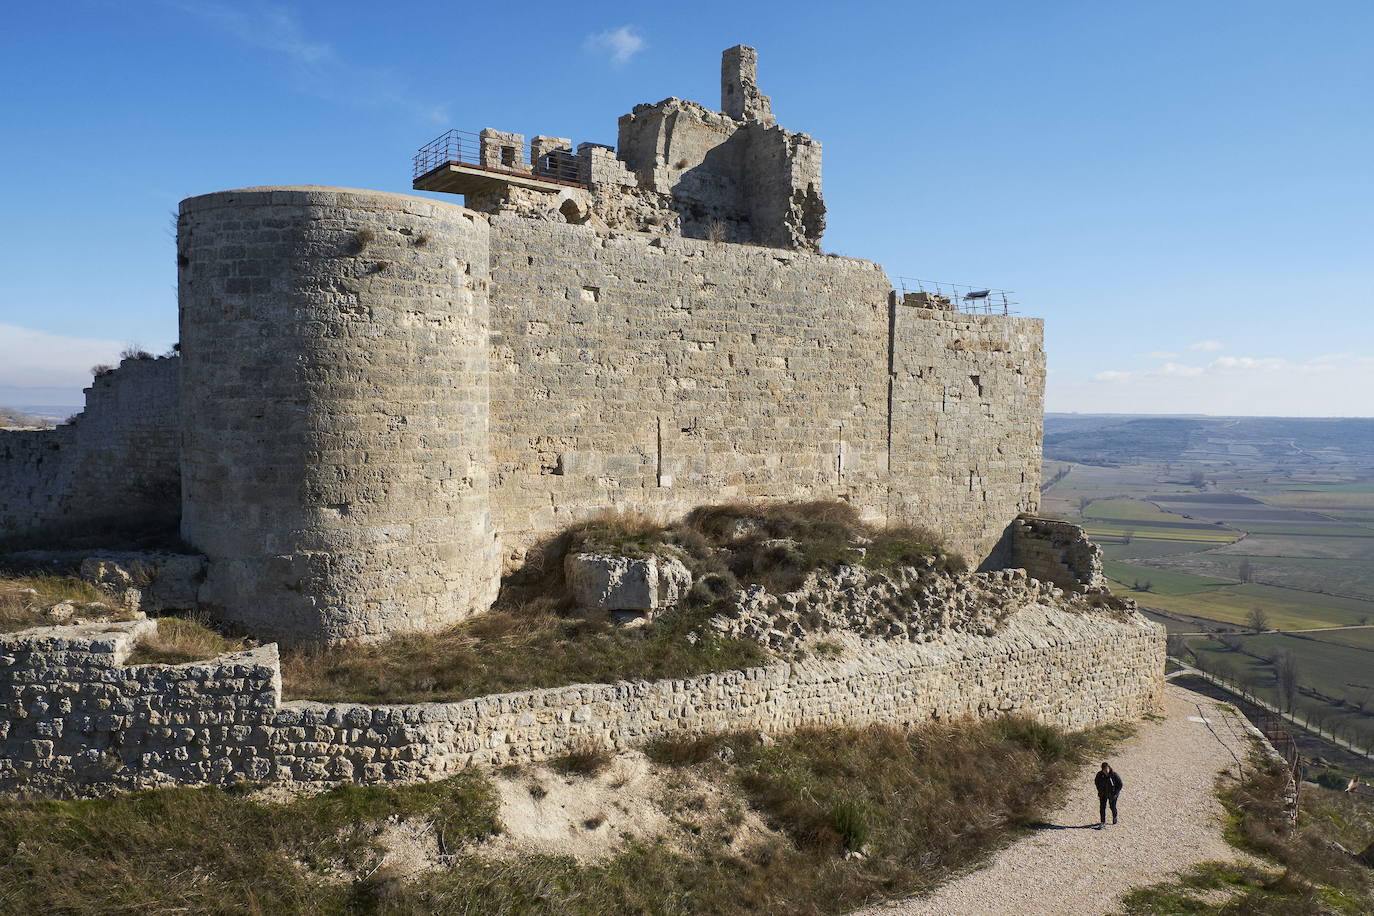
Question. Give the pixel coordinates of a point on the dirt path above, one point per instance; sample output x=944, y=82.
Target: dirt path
x=1170, y=819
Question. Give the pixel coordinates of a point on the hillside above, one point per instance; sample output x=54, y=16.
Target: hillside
x=1113, y=440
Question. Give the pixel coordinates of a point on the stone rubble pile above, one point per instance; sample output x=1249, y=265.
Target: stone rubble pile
x=640, y=587
x=915, y=604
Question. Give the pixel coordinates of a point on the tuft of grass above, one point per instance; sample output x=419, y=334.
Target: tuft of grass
x=179, y=640
x=684, y=751
x=584, y=760
x=361, y=239
x=24, y=599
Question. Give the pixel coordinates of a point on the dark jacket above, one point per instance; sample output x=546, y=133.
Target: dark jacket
x=1108, y=784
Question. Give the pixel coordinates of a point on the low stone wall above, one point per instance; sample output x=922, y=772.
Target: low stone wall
x=1059, y=552
x=75, y=720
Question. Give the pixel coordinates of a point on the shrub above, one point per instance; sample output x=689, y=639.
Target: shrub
x=584, y=760
x=181, y=640
x=684, y=750
x=361, y=239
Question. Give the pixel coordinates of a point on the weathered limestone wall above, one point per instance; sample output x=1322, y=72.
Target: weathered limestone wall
x=967, y=416
x=661, y=374
x=1058, y=552
x=75, y=720
x=334, y=345
x=115, y=467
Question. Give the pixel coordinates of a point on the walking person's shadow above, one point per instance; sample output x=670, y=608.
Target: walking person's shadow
x=1046, y=825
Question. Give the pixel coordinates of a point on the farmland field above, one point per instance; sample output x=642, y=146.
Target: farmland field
x=1207, y=520
x=1341, y=677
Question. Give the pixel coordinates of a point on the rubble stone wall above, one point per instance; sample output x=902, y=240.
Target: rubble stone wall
x=74, y=719
x=114, y=467
x=1058, y=552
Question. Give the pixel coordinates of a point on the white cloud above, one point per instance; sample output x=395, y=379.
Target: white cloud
x=1330, y=385
x=320, y=69
x=30, y=358
x=1206, y=345
x=1268, y=364
x=1161, y=354
x=618, y=44
x=275, y=28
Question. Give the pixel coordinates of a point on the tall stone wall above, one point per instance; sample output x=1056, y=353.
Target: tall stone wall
x=114, y=468
x=660, y=374
x=967, y=417
x=334, y=349
x=74, y=719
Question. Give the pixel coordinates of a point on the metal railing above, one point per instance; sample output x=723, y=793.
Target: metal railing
x=963, y=297
x=499, y=153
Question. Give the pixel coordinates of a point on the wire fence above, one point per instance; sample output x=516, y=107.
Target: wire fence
x=962, y=297
x=493, y=151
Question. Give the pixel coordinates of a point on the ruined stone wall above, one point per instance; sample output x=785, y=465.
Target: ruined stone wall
x=660, y=374
x=114, y=468
x=1058, y=552
x=75, y=720
x=967, y=417
x=334, y=345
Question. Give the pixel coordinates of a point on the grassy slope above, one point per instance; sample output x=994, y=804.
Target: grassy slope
x=923, y=804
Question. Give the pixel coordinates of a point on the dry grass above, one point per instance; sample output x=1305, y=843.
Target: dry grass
x=513, y=648
x=923, y=804
x=535, y=638
x=24, y=599
x=180, y=640
x=584, y=760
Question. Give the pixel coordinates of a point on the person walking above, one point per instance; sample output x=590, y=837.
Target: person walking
x=1108, y=788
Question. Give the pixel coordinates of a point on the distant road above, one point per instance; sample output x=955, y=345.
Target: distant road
x=1352, y=626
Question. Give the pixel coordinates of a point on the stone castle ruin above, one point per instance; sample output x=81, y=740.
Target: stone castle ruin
x=384, y=403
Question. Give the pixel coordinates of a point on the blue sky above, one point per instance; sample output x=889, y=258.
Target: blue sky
x=1184, y=191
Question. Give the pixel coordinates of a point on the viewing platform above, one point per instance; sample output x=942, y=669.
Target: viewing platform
x=464, y=162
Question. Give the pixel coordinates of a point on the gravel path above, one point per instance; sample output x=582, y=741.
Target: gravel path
x=1170, y=819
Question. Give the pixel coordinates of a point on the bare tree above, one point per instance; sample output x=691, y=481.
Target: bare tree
x=1257, y=620
x=1083, y=503
x=1286, y=665
x=1197, y=479
x=1246, y=571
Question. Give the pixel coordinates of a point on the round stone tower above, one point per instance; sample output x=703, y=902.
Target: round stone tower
x=334, y=410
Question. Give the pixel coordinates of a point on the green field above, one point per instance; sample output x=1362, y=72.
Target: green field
x=1344, y=675
x=1162, y=581
x=1193, y=505
x=1287, y=609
